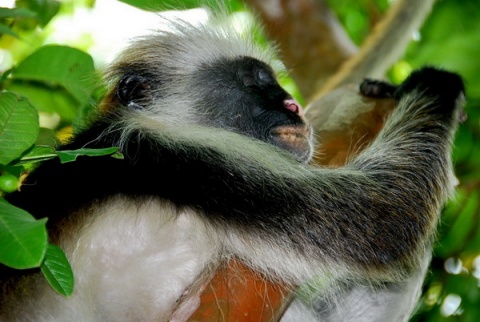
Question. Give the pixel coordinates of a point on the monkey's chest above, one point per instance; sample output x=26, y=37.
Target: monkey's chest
x=136, y=260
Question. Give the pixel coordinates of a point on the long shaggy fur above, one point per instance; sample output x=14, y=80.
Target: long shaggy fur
x=188, y=195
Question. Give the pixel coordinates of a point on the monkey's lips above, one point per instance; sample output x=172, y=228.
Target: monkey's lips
x=296, y=139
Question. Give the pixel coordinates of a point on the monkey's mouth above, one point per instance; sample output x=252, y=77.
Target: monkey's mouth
x=296, y=139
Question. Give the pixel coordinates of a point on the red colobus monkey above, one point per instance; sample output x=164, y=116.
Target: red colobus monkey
x=216, y=166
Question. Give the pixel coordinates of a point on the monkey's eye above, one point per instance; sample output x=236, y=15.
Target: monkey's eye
x=263, y=77
x=259, y=79
x=132, y=90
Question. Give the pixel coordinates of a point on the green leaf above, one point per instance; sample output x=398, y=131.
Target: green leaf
x=465, y=211
x=45, y=9
x=23, y=239
x=18, y=126
x=38, y=153
x=71, y=155
x=68, y=67
x=57, y=270
x=5, y=30
x=16, y=12
x=41, y=153
x=49, y=99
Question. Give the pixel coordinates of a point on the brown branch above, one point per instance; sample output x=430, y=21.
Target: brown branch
x=345, y=123
x=385, y=45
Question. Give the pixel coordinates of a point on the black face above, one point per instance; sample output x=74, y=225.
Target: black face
x=243, y=95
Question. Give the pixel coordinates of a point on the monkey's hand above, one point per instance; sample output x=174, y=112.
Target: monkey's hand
x=377, y=89
x=437, y=84
x=446, y=90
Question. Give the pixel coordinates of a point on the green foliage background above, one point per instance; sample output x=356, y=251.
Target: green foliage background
x=63, y=80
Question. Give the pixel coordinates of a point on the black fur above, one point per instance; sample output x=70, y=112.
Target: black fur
x=376, y=88
x=362, y=215
x=246, y=98
x=133, y=89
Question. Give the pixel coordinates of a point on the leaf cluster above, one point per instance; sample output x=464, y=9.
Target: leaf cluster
x=56, y=82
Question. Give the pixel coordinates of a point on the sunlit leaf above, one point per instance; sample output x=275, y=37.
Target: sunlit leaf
x=60, y=65
x=16, y=12
x=44, y=10
x=18, y=126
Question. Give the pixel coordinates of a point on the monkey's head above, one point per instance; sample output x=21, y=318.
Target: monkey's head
x=209, y=77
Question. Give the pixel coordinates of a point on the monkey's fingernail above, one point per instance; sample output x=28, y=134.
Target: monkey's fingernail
x=292, y=105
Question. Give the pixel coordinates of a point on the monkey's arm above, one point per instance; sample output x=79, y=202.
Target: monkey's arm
x=375, y=214
x=378, y=212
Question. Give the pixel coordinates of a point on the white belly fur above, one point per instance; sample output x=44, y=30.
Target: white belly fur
x=131, y=263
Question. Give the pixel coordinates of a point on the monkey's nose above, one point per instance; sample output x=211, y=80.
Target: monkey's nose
x=293, y=106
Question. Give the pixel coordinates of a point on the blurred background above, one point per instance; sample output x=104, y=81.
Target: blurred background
x=449, y=38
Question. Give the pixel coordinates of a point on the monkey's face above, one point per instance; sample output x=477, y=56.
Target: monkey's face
x=241, y=95
x=244, y=96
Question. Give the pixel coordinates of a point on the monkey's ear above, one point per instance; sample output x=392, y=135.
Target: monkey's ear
x=133, y=90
